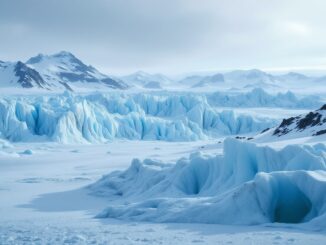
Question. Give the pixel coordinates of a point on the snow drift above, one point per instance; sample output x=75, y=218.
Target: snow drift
x=248, y=184
x=100, y=117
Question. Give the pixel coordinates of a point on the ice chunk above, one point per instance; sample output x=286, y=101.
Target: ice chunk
x=248, y=184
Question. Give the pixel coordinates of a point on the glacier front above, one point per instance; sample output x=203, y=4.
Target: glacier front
x=99, y=117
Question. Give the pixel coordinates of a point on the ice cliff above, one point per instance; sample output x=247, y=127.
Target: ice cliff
x=100, y=117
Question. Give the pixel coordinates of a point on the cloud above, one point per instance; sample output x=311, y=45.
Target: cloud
x=168, y=36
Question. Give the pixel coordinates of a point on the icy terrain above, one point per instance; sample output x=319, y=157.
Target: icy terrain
x=44, y=199
x=162, y=166
x=99, y=117
x=246, y=185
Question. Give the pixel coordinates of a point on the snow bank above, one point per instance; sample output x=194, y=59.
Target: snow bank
x=248, y=184
x=100, y=117
x=4, y=144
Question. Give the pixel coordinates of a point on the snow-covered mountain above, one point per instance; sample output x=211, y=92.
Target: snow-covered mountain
x=146, y=80
x=310, y=124
x=251, y=79
x=65, y=70
x=18, y=74
x=237, y=78
x=293, y=76
x=202, y=81
x=61, y=71
x=249, y=76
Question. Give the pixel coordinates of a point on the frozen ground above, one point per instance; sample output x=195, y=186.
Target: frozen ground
x=42, y=203
x=53, y=191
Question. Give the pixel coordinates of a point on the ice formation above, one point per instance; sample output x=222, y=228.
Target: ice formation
x=248, y=184
x=100, y=117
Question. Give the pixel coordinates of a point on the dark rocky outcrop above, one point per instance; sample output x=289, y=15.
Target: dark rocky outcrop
x=28, y=77
x=311, y=120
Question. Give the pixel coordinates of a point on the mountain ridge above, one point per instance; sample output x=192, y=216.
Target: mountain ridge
x=60, y=71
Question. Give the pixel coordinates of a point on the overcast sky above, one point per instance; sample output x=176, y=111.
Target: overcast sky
x=169, y=36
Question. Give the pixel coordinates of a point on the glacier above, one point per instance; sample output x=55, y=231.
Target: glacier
x=99, y=117
x=248, y=184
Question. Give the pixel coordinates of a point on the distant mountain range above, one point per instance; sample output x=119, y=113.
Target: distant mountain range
x=63, y=71
x=146, y=80
x=248, y=79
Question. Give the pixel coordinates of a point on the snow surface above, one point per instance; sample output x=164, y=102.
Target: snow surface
x=7, y=75
x=44, y=202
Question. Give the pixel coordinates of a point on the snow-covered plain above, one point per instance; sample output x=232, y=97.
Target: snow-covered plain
x=151, y=165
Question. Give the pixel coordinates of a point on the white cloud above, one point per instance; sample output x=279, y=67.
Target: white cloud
x=297, y=28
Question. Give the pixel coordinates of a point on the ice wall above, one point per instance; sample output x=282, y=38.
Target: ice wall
x=100, y=117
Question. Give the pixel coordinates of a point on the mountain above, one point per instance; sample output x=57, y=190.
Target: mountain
x=250, y=79
x=293, y=76
x=147, y=80
x=190, y=81
x=243, y=78
x=202, y=81
x=64, y=70
x=210, y=80
x=249, y=76
x=18, y=74
x=320, y=80
x=310, y=124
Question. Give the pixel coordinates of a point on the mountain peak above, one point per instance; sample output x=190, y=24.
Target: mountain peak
x=141, y=73
x=38, y=58
x=64, y=54
x=296, y=75
x=35, y=59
